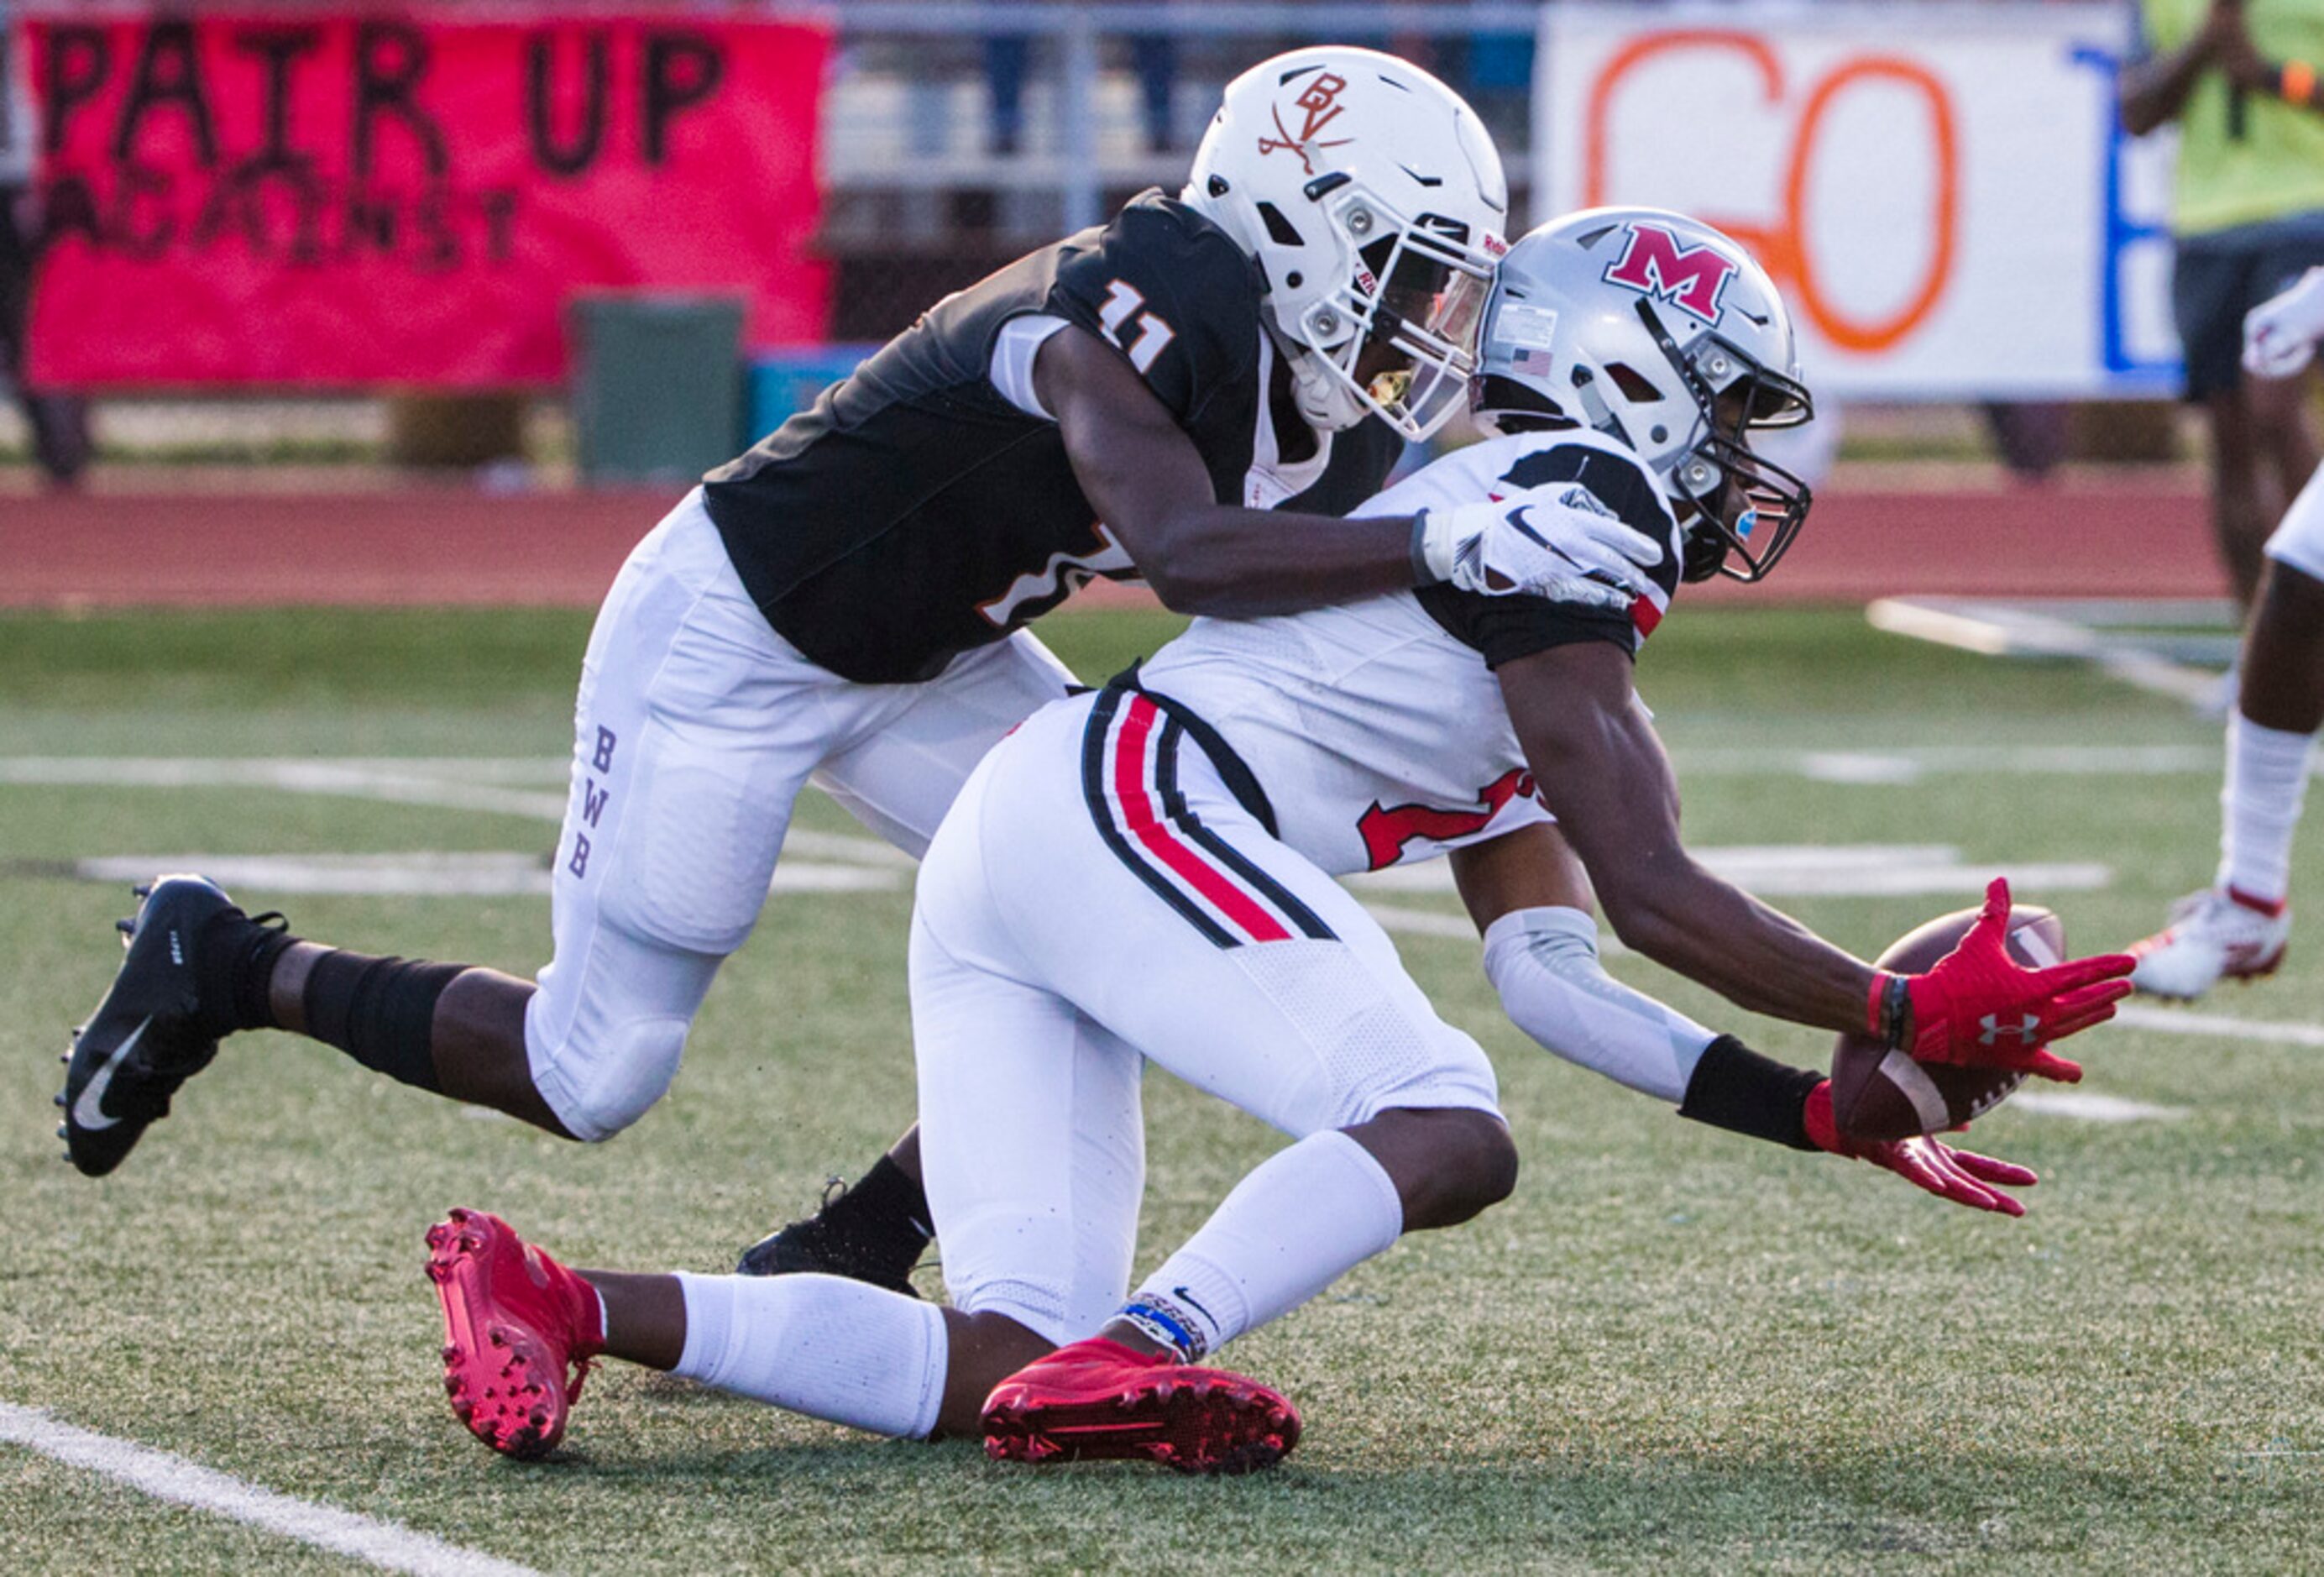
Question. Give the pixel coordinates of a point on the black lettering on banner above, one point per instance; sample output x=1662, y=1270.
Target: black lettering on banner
x=440, y=250
x=76, y=63
x=500, y=205
x=217, y=208
x=579, y=151
x=167, y=142
x=391, y=61
x=167, y=75
x=69, y=208
x=370, y=221
x=277, y=49
x=310, y=197
x=149, y=239
x=681, y=70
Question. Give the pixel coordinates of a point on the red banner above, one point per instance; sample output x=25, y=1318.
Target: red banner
x=400, y=198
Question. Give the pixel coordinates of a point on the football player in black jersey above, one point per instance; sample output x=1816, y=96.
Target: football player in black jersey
x=1189, y=393
x=1146, y=875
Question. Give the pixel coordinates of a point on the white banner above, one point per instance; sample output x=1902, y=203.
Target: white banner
x=1941, y=191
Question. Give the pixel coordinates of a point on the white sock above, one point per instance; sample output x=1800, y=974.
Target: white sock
x=2259, y=802
x=1300, y=1221
x=821, y=1345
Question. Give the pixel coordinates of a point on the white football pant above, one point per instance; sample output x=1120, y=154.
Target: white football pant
x=696, y=727
x=1097, y=898
x=2298, y=539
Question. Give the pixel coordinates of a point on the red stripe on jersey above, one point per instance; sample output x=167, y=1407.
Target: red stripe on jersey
x=1644, y=616
x=1150, y=829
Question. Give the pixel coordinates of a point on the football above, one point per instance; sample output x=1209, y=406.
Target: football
x=1879, y=1093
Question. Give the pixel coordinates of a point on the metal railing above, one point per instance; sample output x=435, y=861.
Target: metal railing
x=1080, y=147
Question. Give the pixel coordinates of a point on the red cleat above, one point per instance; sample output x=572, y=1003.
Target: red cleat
x=515, y=1323
x=1099, y=1399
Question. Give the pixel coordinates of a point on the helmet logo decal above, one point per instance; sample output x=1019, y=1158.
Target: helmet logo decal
x=1318, y=102
x=1528, y=335
x=1657, y=263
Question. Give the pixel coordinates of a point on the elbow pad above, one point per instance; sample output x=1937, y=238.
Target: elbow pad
x=1543, y=961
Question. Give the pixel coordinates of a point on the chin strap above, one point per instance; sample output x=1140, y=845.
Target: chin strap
x=1324, y=402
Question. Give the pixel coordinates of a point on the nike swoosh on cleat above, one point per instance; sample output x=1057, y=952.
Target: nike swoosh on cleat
x=88, y=1111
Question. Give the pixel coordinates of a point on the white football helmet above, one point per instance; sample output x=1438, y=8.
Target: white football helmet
x=1635, y=322
x=1374, y=202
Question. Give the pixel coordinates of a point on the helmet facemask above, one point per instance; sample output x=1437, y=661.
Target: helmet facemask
x=1371, y=199
x=1747, y=509
x=1398, y=339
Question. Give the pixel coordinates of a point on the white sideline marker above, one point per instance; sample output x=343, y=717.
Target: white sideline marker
x=385, y=1544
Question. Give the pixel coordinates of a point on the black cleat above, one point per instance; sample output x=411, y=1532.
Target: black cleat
x=813, y=1248
x=146, y=1036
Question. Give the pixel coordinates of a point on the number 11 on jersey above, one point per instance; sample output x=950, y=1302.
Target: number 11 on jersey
x=1122, y=313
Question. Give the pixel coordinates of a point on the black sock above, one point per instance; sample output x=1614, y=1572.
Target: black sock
x=236, y=957
x=380, y=1011
x=883, y=1219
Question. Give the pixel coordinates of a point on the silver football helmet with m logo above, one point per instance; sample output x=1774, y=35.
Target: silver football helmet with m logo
x=1664, y=334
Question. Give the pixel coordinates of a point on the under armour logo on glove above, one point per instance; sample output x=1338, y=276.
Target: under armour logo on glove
x=1977, y=996
x=2021, y=1031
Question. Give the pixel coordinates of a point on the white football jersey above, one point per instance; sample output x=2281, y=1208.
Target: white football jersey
x=1376, y=729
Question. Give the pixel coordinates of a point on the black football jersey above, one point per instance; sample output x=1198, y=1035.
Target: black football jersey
x=913, y=513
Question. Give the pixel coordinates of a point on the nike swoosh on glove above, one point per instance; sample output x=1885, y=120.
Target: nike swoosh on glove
x=1538, y=543
x=1925, y=1162
x=1977, y=1007
x=2280, y=334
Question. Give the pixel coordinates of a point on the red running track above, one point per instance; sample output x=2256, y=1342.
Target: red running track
x=423, y=545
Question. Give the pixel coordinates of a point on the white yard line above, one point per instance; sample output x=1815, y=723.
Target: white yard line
x=385, y=1544
x=1913, y=763
x=2088, y=1108
x=2180, y=1021
x=414, y=782
x=1424, y=922
x=452, y=782
x=500, y=783
x=489, y=874
x=1820, y=871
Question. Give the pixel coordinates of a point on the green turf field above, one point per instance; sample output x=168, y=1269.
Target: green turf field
x=1675, y=1350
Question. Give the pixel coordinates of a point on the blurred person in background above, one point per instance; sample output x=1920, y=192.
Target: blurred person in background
x=58, y=422
x=2241, y=80
x=2248, y=219
x=2237, y=928
x=1009, y=60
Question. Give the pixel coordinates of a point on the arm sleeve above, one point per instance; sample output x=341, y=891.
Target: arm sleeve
x=1543, y=961
x=1176, y=297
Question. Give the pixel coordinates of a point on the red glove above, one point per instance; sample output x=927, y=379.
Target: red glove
x=1925, y=1162
x=1977, y=1007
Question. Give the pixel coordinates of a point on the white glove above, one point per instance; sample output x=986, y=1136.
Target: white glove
x=1556, y=541
x=2280, y=334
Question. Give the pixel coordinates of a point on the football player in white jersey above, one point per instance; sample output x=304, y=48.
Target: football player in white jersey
x=2237, y=928
x=1194, y=393
x=1147, y=873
